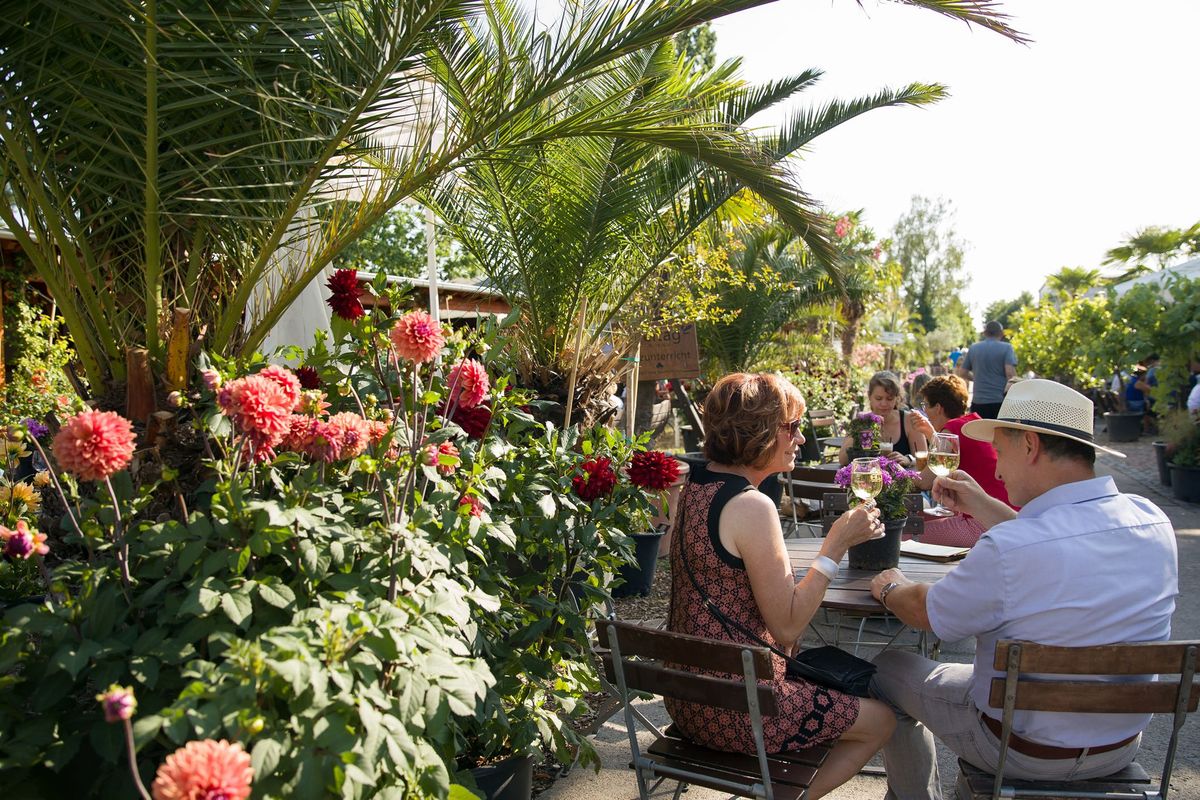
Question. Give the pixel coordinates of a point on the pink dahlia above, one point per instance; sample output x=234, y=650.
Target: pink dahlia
x=94, y=444
x=298, y=435
x=842, y=227
x=467, y=383
x=312, y=403
x=595, y=478
x=204, y=770
x=211, y=379
x=118, y=703
x=417, y=337
x=324, y=442
x=433, y=457
x=355, y=433
x=24, y=541
x=259, y=406
x=475, y=507
x=345, y=293
x=653, y=469
x=287, y=381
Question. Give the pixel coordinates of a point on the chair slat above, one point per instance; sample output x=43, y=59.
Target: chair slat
x=707, y=776
x=781, y=772
x=651, y=676
x=1095, y=697
x=1138, y=658
x=680, y=648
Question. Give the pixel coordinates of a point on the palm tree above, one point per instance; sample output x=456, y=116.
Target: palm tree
x=159, y=152
x=1163, y=244
x=597, y=212
x=1071, y=282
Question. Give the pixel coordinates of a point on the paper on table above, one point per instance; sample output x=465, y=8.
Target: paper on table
x=933, y=552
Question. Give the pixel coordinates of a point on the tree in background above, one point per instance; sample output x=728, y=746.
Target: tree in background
x=1071, y=282
x=931, y=255
x=1161, y=244
x=1005, y=311
x=396, y=245
x=699, y=45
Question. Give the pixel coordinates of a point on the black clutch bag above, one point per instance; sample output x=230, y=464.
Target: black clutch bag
x=832, y=668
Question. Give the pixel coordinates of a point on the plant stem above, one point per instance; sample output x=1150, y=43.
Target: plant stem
x=133, y=770
x=58, y=487
x=119, y=538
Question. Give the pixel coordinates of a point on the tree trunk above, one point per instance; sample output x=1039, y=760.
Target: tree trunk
x=139, y=385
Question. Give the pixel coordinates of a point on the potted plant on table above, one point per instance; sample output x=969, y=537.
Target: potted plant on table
x=898, y=481
x=865, y=432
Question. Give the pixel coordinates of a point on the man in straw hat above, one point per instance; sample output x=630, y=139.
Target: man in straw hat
x=1080, y=564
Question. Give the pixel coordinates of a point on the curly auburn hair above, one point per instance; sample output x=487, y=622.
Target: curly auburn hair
x=743, y=414
x=949, y=392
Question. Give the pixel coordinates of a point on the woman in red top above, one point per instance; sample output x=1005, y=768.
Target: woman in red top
x=946, y=407
x=730, y=536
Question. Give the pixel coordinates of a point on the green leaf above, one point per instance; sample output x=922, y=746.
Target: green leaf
x=237, y=606
x=545, y=504
x=265, y=756
x=460, y=792
x=74, y=659
x=275, y=593
x=243, y=561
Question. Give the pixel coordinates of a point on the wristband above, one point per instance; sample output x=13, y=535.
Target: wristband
x=826, y=566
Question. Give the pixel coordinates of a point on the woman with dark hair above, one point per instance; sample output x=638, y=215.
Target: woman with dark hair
x=729, y=549
x=946, y=407
x=885, y=396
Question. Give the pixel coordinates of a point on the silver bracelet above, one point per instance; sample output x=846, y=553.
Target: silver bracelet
x=826, y=566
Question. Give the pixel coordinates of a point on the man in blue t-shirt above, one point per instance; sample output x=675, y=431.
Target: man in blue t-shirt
x=989, y=363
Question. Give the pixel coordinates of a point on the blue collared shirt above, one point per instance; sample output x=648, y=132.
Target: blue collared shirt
x=1081, y=565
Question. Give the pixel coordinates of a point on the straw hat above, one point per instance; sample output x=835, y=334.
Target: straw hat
x=1042, y=406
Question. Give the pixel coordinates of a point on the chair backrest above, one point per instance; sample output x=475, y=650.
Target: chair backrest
x=833, y=505
x=823, y=418
x=650, y=659
x=1039, y=677
x=812, y=483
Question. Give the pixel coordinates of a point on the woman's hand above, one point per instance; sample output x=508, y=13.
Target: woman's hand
x=899, y=457
x=917, y=423
x=858, y=525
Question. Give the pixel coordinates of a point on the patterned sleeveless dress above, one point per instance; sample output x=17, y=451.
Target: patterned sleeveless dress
x=809, y=714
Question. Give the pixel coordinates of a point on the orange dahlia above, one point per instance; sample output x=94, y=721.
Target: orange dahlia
x=417, y=337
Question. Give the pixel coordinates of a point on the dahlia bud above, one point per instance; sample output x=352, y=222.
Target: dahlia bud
x=211, y=378
x=15, y=432
x=175, y=400
x=118, y=703
x=41, y=479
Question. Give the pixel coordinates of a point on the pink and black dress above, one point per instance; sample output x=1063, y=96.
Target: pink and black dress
x=808, y=714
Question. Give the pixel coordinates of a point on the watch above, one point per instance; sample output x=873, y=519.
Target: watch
x=885, y=591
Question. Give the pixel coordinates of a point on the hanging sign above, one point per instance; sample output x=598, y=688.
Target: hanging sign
x=671, y=354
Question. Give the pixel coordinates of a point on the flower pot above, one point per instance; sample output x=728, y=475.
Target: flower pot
x=639, y=577
x=1185, y=483
x=1160, y=456
x=510, y=779
x=882, y=553
x=1123, y=426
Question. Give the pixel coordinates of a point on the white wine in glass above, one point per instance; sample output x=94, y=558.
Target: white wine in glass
x=943, y=459
x=866, y=485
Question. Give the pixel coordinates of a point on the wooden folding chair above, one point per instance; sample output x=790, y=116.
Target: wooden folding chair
x=807, y=483
x=647, y=660
x=1041, y=677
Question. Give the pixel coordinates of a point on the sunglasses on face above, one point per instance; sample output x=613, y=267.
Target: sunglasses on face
x=794, y=428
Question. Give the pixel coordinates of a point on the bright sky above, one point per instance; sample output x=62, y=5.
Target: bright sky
x=1051, y=153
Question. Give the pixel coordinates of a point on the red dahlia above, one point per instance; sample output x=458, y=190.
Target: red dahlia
x=653, y=469
x=344, y=300
x=596, y=478
x=309, y=378
x=472, y=420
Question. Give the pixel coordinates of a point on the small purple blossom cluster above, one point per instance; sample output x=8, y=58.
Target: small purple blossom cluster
x=897, y=482
x=866, y=429
x=36, y=429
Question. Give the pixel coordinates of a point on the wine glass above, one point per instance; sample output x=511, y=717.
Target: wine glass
x=866, y=478
x=943, y=459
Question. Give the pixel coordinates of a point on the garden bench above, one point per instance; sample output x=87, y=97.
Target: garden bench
x=1041, y=677
x=634, y=658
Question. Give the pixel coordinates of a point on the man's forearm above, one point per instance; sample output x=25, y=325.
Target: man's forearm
x=907, y=602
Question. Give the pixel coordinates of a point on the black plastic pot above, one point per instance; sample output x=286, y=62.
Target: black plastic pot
x=1185, y=483
x=640, y=577
x=1164, y=470
x=510, y=779
x=1124, y=426
x=879, y=554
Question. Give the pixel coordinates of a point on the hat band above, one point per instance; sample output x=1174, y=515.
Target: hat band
x=1069, y=431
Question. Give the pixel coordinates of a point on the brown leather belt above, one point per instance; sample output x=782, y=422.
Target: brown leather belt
x=1046, y=751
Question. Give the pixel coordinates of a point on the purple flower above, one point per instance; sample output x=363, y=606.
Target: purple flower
x=842, y=476
x=36, y=429
x=874, y=419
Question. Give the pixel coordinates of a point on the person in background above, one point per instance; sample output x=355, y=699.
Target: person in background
x=729, y=547
x=885, y=396
x=1080, y=564
x=989, y=363
x=914, y=392
x=945, y=400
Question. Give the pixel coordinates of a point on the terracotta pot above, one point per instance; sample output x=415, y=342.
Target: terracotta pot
x=880, y=554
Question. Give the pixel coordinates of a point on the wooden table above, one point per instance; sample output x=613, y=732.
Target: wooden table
x=851, y=590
